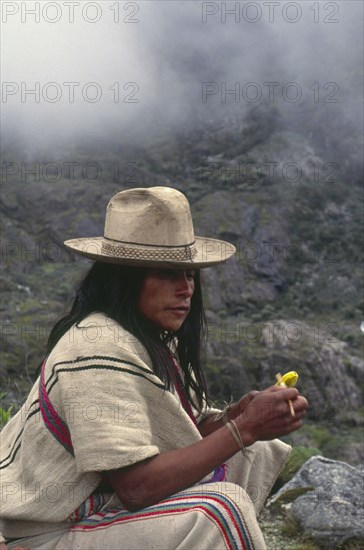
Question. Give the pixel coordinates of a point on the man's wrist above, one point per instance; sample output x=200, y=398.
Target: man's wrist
x=245, y=432
x=232, y=412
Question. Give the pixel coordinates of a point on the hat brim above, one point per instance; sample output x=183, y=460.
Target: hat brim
x=210, y=252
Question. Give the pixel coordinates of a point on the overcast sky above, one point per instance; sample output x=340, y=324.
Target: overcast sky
x=79, y=68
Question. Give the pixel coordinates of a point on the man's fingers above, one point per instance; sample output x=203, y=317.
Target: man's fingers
x=244, y=401
x=287, y=393
x=300, y=404
x=251, y=395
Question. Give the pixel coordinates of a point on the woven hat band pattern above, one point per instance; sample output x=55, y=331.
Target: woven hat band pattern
x=178, y=254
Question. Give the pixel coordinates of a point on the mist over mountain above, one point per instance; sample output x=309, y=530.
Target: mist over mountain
x=256, y=115
x=128, y=72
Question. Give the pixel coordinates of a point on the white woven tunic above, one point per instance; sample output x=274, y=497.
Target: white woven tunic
x=100, y=381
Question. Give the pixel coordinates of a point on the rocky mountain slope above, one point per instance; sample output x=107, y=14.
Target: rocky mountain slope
x=290, y=299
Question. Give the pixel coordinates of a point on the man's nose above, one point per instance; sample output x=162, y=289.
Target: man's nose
x=184, y=285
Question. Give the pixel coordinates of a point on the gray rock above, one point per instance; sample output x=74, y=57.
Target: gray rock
x=332, y=513
x=329, y=375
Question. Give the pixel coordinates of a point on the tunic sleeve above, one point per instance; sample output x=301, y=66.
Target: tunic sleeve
x=108, y=395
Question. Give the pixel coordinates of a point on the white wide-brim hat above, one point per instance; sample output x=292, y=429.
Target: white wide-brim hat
x=152, y=227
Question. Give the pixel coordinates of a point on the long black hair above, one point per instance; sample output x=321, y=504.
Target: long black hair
x=114, y=290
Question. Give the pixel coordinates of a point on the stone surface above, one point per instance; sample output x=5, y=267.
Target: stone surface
x=332, y=513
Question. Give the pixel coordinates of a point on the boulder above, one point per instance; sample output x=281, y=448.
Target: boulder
x=327, y=501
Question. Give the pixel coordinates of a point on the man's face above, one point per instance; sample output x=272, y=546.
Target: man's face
x=165, y=297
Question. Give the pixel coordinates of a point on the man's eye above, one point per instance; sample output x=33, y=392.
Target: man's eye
x=190, y=275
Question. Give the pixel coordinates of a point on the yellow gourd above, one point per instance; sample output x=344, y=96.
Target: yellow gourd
x=288, y=380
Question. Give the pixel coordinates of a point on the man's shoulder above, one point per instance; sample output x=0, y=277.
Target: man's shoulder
x=99, y=324
x=99, y=334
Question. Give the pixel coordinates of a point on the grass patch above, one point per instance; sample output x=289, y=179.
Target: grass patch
x=291, y=527
x=5, y=413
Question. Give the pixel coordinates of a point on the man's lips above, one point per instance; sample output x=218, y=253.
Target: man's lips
x=180, y=309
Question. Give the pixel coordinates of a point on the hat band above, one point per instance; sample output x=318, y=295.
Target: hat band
x=182, y=253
